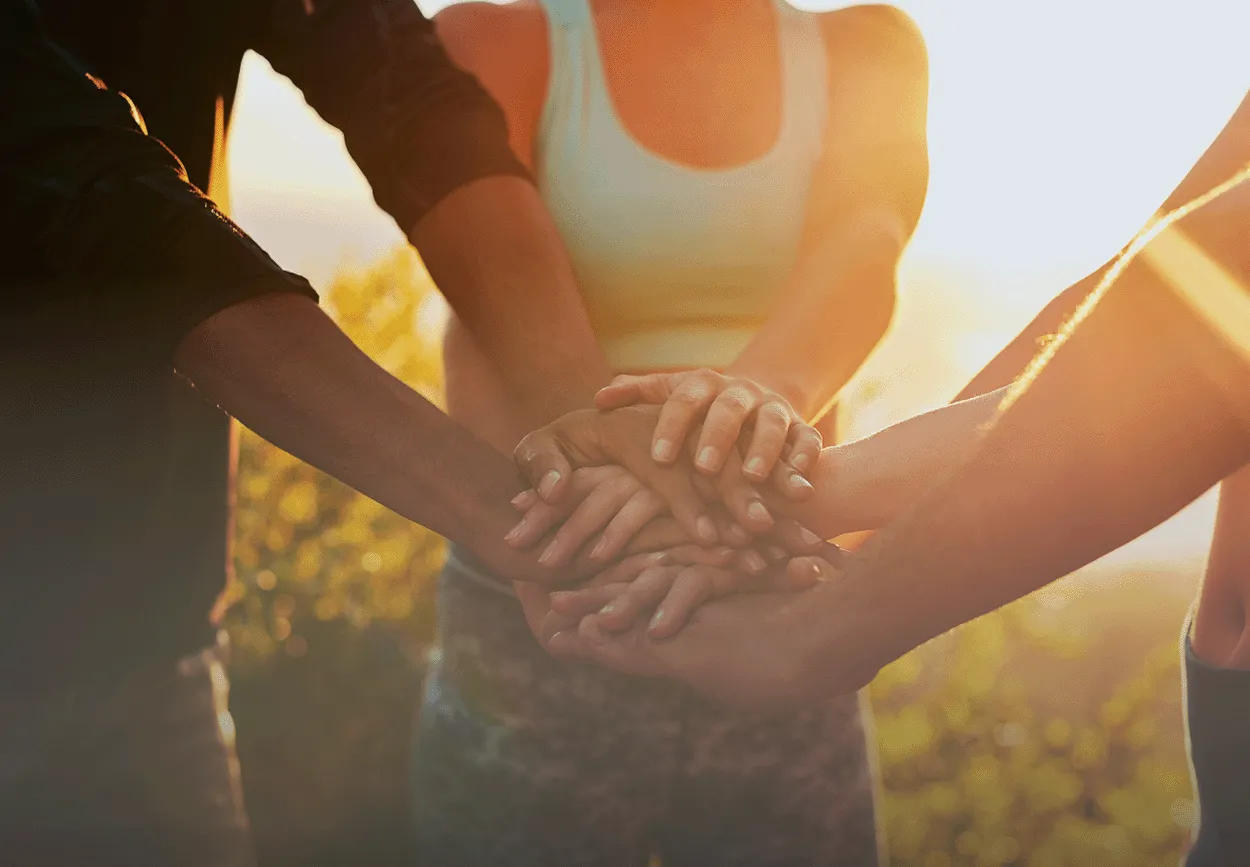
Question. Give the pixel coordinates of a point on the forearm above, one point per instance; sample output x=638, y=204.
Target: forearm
x=496, y=255
x=280, y=366
x=833, y=314
x=1120, y=430
x=867, y=483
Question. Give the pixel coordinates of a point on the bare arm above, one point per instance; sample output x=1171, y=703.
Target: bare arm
x=867, y=194
x=495, y=252
x=1142, y=408
x=435, y=147
x=283, y=368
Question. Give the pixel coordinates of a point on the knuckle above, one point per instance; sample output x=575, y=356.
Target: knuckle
x=775, y=412
x=738, y=399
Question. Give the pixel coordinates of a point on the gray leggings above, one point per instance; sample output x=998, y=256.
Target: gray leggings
x=522, y=759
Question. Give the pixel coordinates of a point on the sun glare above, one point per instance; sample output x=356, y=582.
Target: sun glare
x=1056, y=129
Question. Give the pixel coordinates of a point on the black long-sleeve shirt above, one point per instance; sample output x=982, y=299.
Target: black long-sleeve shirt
x=113, y=481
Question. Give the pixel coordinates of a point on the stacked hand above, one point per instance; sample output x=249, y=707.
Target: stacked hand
x=675, y=520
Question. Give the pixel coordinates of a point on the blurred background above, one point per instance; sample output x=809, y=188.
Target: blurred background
x=1045, y=734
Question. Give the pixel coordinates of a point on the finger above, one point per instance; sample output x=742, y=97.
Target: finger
x=690, y=589
x=751, y=561
x=533, y=526
x=626, y=570
x=772, y=425
x=811, y=569
x=676, y=488
x=542, y=517
x=660, y=535
x=628, y=653
x=698, y=555
x=644, y=506
x=525, y=500
x=638, y=600
x=730, y=531
x=797, y=540
x=543, y=463
x=705, y=488
x=790, y=483
x=591, y=515
x=741, y=498
x=576, y=604
x=684, y=408
x=724, y=421
x=805, y=445
x=626, y=390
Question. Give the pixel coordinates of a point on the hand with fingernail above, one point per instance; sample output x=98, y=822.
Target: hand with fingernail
x=722, y=410
x=666, y=593
x=549, y=456
x=604, y=509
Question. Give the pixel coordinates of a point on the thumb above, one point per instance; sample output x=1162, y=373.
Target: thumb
x=626, y=390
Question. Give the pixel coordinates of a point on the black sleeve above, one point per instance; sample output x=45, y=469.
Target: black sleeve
x=99, y=218
x=416, y=125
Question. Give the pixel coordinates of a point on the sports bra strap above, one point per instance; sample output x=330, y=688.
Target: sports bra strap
x=567, y=13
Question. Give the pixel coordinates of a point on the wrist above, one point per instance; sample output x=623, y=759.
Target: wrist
x=798, y=397
x=848, y=492
x=842, y=646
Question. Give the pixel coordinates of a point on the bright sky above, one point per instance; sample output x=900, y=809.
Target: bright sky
x=1056, y=128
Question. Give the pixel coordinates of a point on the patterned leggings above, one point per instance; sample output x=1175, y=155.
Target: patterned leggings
x=521, y=759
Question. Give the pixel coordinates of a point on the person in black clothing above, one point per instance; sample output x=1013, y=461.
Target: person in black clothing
x=131, y=306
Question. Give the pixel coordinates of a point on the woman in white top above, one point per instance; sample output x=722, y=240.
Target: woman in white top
x=735, y=181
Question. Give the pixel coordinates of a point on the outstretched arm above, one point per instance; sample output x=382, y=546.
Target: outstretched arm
x=125, y=255
x=434, y=146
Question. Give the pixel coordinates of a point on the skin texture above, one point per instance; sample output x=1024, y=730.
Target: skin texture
x=1140, y=409
x=866, y=199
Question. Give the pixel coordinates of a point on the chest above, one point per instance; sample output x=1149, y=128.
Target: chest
x=702, y=91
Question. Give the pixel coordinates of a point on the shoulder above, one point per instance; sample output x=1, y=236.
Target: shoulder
x=505, y=46
x=874, y=33
x=494, y=41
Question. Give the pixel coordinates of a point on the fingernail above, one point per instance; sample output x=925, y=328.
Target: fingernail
x=758, y=511
x=754, y=562
x=707, y=458
x=816, y=571
x=515, y=533
x=562, y=596
x=735, y=533
x=801, y=462
x=776, y=553
x=549, y=482
x=549, y=554
x=608, y=609
x=662, y=450
x=808, y=537
x=597, y=552
x=754, y=467
x=521, y=499
x=660, y=559
x=657, y=620
x=799, y=483
x=706, y=528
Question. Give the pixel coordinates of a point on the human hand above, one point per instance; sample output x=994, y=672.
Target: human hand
x=727, y=406
x=587, y=438
x=758, y=650
x=669, y=592
x=608, y=502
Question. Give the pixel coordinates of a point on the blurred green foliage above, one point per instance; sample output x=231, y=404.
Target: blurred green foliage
x=1044, y=735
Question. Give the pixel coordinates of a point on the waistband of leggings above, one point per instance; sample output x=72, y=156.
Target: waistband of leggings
x=461, y=565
